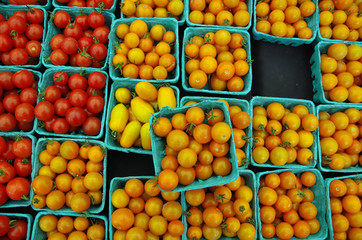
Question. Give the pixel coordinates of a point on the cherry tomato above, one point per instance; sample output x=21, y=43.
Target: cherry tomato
x=23, y=79
x=58, y=57
x=7, y=172
x=22, y=167
x=60, y=126
x=49, y=124
x=61, y=106
x=24, y=126
x=73, y=30
x=6, y=44
x=19, y=56
x=61, y=19
x=17, y=23
x=95, y=104
x=28, y=95
x=5, y=59
x=34, y=31
x=4, y=28
x=44, y=110
x=83, y=59
x=96, y=19
x=18, y=188
x=6, y=80
x=10, y=102
x=92, y=126
x=56, y=41
x=22, y=148
x=76, y=116
x=35, y=15
x=101, y=33
x=84, y=43
x=3, y=196
x=69, y=46
x=98, y=51
x=19, y=230
x=24, y=112
x=78, y=98
x=4, y=223
x=52, y=93
x=33, y=48
x=7, y=122
x=82, y=20
x=60, y=78
x=77, y=81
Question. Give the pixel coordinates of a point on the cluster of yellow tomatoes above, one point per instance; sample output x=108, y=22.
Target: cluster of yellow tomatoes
x=286, y=205
x=285, y=18
x=345, y=206
x=71, y=175
x=221, y=210
x=219, y=12
x=340, y=138
x=197, y=143
x=144, y=212
x=129, y=121
x=340, y=19
x=218, y=58
x=71, y=228
x=240, y=120
x=153, y=8
x=144, y=53
x=283, y=136
x=341, y=68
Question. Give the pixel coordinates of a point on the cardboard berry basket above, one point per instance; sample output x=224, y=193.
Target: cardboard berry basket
x=159, y=144
x=37, y=77
x=201, y=31
x=27, y=217
x=64, y=6
x=243, y=104
x=332, y=109
x=312, y=22
x=54, y=30
x=40, y=146
x=110, y=141
x=120, y=182
x=319, y=201
x=187, y=12
x=8, y=11
x=47, y=80
x=315, y=61
x=20, y=203
x=287, y=103
x=170, y=24
x=250, y=181
x=37, y=233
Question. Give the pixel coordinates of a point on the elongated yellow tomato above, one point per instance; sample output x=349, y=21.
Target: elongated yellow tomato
x=166, y=97
x=146, y=136
x=146, y=91
x=130, y=134
x=142, y=109
x=119, y=118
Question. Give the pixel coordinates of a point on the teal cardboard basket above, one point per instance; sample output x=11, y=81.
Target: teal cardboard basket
x=54, y=30
x=243, y=104
x=9, y=10
x=37, y=76
x=159, y=144
x=312, y=22
x=20, y=203
x=315, y=61
x=287, y=103
x=40, y=146
x=120, y=182
x=27, y=217
x=328, y=203
x=48, y=81
x=250, y=181
x=47, y=5
x=187, y=12
x=39, y=234
x=112, y=143
x=332, y=109
x=201, y=31
x=319, y=201
x=65, y=7
x=170, y=25
x=180, y=22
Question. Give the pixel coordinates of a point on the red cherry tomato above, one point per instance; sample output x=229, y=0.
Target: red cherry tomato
x=10, y=102
x=52, y=93
x=23, y=79
x=60, y=126
x=7, y=172
x=69, y=46
x=44, y=111
x=97, y=80
x=4, y=220
x=33, y=48
x=18, y=188
x=22, y=148
x=77, y=81
x=19, y=56
x=95, y=104
x=22, y=167
x=24, y=112
x=58, y=57
x=92, y=126
x=18, y=231
x=28, y=95
x=35, y=31
x=35, y=15
x=61, y=19
x=75, y=116
x=78, y=98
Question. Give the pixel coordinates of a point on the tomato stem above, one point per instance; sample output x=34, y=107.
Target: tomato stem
x=13, y=223
x=24, y=197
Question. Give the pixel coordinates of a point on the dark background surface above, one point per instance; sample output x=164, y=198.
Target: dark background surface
x=278, y=71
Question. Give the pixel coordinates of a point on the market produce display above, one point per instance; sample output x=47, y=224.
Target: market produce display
x=21, y=35
x=68, y=176
x=172, y=119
